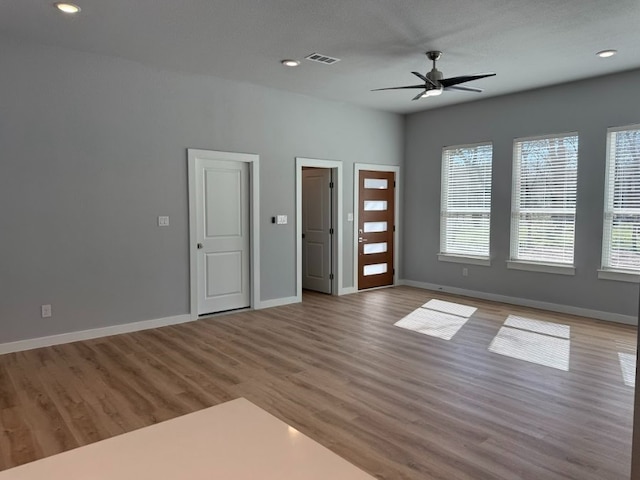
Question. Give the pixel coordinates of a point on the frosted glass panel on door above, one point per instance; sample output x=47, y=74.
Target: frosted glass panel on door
x=372, y=227
x=375, y=269
x=370, y=248
x=375, y=205
x=377, y=183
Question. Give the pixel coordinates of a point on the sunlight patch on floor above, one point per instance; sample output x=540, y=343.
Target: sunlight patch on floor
x=449, y=307
x=534, y=341
x=538, y=326
x=437, y=318
x=628, y=366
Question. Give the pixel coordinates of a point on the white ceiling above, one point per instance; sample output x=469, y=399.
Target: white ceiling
x=527, y=43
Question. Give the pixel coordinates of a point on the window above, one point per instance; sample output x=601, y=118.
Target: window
x=621, y=232
x=543, y=209
x=466, y=201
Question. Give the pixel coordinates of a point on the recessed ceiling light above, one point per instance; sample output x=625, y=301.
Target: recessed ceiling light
x=67, y=7
x=290, y=63
x=606, y=53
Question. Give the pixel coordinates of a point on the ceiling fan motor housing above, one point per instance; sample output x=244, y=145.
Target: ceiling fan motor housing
x=435, y=76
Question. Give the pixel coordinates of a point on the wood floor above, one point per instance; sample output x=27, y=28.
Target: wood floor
x=396, y=403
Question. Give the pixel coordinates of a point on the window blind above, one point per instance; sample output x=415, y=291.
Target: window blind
x=543, y=209
x=621, y=232
x=465, y=214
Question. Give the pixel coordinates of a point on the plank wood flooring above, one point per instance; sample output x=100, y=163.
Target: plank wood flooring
x=396, y=403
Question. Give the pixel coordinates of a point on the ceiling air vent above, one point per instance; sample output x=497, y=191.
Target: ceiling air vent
x=317, y=57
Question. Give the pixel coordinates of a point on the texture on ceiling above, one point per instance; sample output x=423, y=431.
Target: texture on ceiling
x=528, y=44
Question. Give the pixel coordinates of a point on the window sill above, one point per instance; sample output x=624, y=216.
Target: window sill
x=619, y=275
x=446, y=257
x=542, y=267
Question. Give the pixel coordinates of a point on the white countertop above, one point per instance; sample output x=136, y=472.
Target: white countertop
x=235, y=440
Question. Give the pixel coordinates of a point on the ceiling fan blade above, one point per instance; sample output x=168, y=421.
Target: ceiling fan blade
x=464, y=89
x=448, y=82
x=398, y=88
x=419, y=96
x=426, y=79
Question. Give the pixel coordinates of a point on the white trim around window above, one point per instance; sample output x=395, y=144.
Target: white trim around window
x=619, y=275
x=557, y=268
x=469, y=260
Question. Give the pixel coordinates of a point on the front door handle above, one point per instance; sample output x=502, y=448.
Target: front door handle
x=199, y=246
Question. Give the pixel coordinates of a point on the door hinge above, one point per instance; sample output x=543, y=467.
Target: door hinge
x=394, y=228
x=394, y=184
x=331, y=231
x=330, y=184
x=394, y=271
x=331, y=276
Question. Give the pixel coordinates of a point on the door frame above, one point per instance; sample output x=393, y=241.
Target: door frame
x=336, y=240
x=254, y=220
x=357, y=167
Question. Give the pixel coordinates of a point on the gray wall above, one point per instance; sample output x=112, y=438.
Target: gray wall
x=94, y=149
x=588, y=107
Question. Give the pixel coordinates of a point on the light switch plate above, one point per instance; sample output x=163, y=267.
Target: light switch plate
x=281, y=220
x=349, y=217
x=163, y=221
x=46, y=311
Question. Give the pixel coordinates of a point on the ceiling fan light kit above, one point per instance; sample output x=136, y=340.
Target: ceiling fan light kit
x=69, y=8
x=607, y=53
x=435, y=83
x=433, y=92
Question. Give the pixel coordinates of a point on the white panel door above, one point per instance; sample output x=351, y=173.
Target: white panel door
x=316, y=229
x=222, y=196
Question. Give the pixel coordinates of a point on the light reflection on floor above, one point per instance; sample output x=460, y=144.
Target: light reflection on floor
x=437, y=318
x=628, y=366
x=535, y=341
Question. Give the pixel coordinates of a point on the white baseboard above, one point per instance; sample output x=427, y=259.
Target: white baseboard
x=31, y=343
x=525, y=302
x=278, y=302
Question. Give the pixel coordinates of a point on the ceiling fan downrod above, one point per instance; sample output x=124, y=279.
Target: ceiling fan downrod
x=434, y=55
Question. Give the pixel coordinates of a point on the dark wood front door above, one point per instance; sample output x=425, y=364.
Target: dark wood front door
x=376, y=225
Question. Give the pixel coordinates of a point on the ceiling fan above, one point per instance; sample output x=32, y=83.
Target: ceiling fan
x=434, y=84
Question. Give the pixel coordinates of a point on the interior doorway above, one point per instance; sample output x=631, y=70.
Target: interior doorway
x=317, y=229
x=318, y=226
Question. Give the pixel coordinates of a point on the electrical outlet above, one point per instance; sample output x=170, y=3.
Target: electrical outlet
x=465, y=271
x=46, y=311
